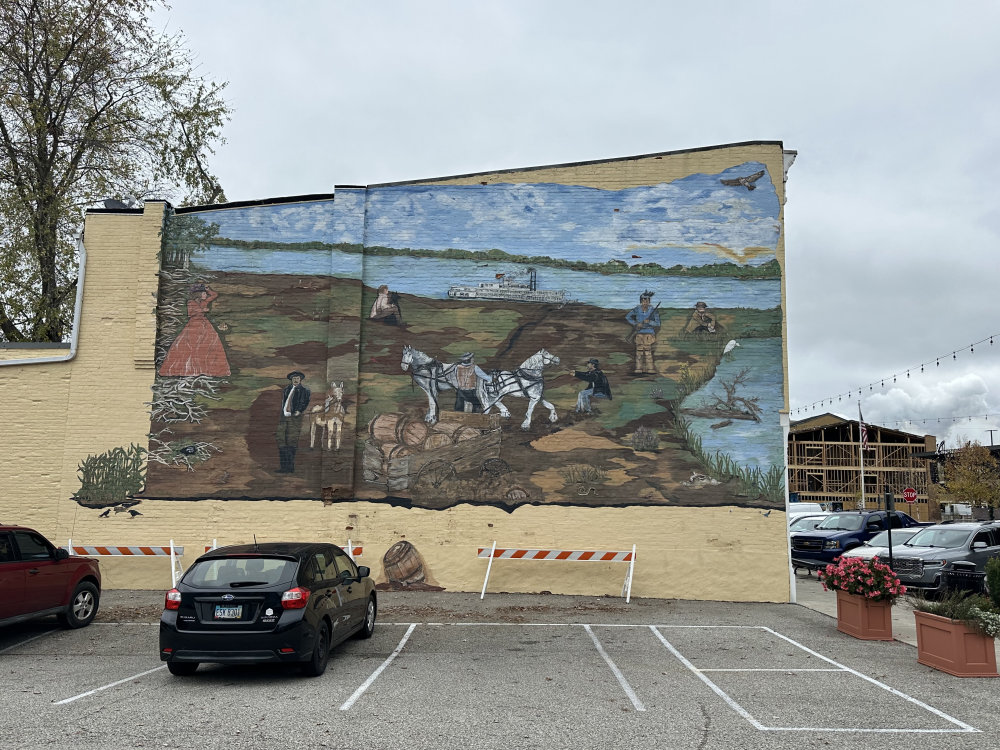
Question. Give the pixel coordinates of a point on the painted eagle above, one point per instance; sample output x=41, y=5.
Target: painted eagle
x=747, y=182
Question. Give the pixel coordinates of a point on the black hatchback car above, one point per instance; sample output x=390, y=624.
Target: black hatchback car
x=268, y=602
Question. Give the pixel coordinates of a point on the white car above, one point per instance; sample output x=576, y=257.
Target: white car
x=806, y=522
x=804, y=509
x=878, y=545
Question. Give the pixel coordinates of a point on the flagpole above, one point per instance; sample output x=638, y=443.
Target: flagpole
x=861, y=455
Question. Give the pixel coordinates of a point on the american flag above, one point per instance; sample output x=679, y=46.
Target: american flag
x=864, y=430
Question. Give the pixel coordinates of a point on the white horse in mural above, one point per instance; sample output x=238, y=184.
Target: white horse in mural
x=525, y=382
x=431, y=375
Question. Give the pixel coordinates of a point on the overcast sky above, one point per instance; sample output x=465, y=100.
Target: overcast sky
x=891, y=222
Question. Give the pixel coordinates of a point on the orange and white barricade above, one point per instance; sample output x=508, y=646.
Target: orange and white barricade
x=624, y=556
x=100, y=550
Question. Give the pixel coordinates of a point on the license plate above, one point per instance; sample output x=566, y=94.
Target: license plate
x=228, y=613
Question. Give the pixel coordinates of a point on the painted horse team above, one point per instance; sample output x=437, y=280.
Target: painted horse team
x=476, y=389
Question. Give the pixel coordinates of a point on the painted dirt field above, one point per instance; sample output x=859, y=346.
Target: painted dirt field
x=272, y=325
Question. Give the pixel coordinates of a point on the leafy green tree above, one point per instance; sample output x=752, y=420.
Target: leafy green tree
x=972, y=475
x=94, y=104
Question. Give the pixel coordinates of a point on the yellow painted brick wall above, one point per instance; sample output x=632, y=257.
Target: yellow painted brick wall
x=56, y=415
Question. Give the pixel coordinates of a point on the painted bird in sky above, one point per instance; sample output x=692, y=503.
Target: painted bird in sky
x=747, y=181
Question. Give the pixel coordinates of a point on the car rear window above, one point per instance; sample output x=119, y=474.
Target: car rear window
x=240, y=571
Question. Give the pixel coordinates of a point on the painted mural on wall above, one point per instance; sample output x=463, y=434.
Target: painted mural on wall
x=496, y=344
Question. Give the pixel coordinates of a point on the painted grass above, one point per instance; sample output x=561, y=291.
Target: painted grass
x=753, y=482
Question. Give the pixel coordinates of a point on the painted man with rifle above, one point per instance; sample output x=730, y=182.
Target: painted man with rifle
x=645, y=322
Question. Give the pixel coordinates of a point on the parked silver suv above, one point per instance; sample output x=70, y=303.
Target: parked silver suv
x=926, y=561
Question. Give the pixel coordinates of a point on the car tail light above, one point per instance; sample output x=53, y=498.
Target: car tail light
x=172, y=599
x=295, y=598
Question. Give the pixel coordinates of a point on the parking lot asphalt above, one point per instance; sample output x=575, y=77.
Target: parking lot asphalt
x=512, y=670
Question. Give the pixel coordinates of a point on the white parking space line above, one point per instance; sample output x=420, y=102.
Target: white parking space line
x=700, y=674
x=27, y=640
x=964, y=727
x=617, y=672
x=785, y=670
x=64, y=701
x=712, y=686
x=368, y=683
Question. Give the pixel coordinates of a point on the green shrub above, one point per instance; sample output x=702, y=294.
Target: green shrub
x=993, y=580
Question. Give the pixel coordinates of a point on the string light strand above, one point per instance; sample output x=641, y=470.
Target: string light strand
x=881, y=382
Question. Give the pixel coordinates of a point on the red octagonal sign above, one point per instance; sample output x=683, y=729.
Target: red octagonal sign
x=910, y=495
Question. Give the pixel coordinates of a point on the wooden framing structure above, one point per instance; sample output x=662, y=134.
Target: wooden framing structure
x=824, y=464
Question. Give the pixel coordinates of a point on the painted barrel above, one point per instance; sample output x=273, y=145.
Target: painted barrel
x=383, y=427
x=437, y=440
x=412, y=432
x=398, y=428
x=403, y=564
x=395, y=450
x=448, y=428
x=466, y=433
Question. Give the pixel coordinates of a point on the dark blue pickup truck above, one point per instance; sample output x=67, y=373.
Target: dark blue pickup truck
x=842, y=531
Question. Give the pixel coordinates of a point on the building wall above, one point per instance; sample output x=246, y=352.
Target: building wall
x=250, y=294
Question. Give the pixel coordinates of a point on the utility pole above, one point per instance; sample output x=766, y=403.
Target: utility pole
x=991, y=435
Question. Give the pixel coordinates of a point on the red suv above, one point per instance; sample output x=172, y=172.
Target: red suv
x=39, y=579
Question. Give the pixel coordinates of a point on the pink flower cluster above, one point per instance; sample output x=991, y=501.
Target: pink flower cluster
x=872, y=579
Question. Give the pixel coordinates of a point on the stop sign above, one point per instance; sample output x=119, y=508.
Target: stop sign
x=910, y=495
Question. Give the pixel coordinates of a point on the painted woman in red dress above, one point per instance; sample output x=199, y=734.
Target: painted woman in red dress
x=197, y=350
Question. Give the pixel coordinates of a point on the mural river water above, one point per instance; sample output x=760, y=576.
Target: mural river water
x=409, y=275
x=748, y=442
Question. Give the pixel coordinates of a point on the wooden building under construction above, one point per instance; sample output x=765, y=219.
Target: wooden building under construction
x=825, y=466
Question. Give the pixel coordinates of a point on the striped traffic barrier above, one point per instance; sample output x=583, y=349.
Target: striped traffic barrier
x=352, y=551
x=625, y=556
x=98, y=550
x=138, y=550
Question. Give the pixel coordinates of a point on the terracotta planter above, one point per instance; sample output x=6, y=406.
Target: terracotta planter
x=949, y=645
x=863, y=618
